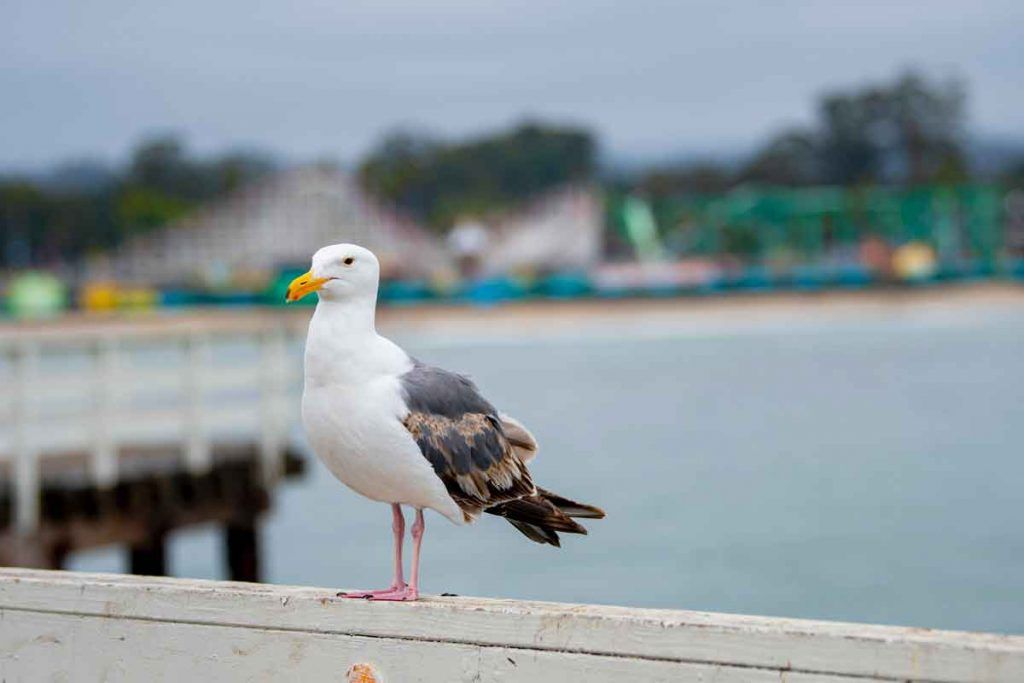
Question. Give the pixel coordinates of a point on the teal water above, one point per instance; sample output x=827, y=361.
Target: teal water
x=870, y=469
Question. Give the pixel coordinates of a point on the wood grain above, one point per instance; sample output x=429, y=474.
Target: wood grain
x=127, y=628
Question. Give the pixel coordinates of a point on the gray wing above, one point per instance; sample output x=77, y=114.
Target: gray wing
x=465, y=440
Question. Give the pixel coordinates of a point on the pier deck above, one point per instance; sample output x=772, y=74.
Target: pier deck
x=122, y=431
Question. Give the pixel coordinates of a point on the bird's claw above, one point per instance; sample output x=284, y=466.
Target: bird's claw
x=404, y=594
x=399, y=592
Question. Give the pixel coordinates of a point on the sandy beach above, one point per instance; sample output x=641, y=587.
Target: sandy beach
x=554, y=318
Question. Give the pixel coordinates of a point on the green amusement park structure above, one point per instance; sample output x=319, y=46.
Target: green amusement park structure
x=806, y=227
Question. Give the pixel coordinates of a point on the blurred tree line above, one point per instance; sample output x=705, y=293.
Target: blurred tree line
x=910, y=131
x=439, y=182
x=85, y=206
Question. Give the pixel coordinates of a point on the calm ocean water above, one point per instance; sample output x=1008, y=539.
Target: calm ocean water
x=866, y=469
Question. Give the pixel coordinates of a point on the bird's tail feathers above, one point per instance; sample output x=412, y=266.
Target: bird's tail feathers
x=536, y=533
x=540, y=516
x=571, y=507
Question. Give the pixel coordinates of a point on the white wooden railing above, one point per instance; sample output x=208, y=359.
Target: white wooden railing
x=87, y=627
x=95, y=390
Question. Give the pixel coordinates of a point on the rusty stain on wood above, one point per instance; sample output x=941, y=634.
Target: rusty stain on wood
x=362, y=673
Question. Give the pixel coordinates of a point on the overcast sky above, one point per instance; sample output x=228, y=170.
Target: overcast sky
x=325, y=78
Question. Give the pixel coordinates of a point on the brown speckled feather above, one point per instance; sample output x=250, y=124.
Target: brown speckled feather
x=481, y=456
x=473, y=457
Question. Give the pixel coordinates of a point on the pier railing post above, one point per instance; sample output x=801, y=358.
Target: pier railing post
x=26, y=460
x=104, y=450
x=198, y=456
x=188, y=424
x=273, y=386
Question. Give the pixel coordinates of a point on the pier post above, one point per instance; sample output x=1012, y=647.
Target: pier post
x=149, y=558
x=241, y=545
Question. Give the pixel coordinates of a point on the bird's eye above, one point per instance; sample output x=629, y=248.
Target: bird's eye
x=349, y=261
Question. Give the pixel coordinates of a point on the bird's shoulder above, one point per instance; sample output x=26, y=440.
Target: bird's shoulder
x=433, y=390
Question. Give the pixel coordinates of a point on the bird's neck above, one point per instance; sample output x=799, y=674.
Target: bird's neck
x=343, y=346
x=349, y=317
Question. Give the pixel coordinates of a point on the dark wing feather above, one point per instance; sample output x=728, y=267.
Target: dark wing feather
x=472, y=458
x=480, y=456
x=462, y=437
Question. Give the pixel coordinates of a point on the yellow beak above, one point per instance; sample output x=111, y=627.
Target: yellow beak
x=303, y=285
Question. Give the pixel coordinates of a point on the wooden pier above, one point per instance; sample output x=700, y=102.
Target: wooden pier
x=90, y=627
x=122, y=431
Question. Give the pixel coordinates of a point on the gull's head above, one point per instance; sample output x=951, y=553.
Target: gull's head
x=339, y=272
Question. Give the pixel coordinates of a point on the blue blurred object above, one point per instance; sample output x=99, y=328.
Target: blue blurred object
x=570, y=285
x=662, y=290
x=1016, y=268
x=750, y=278
x=809, y=277
x=613, y=291
x=712, y=285
x=493, y=290
x=964, y=271
x=175, y=298
x=852, y=276
x=405, y=292
x=232, y=298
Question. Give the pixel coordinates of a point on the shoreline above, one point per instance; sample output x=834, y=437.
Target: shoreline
x=553, y=316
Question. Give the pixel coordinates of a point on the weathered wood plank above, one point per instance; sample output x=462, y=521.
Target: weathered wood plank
x=561, y=642
x=41, y=646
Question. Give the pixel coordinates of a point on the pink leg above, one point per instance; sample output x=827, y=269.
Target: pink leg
x=418, y=528
x=398, y=584
x=410, y=592
x=398, y=527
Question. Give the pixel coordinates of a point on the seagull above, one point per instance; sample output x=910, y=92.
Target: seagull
x=402, y=432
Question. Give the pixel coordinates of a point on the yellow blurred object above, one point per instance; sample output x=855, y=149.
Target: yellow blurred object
x=98, y=296
x=914, y=261
x=138, y=298
x=445, y=281
x=108, y=296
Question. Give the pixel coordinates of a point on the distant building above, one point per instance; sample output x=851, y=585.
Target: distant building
x=560, y=231
x=274, y=224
